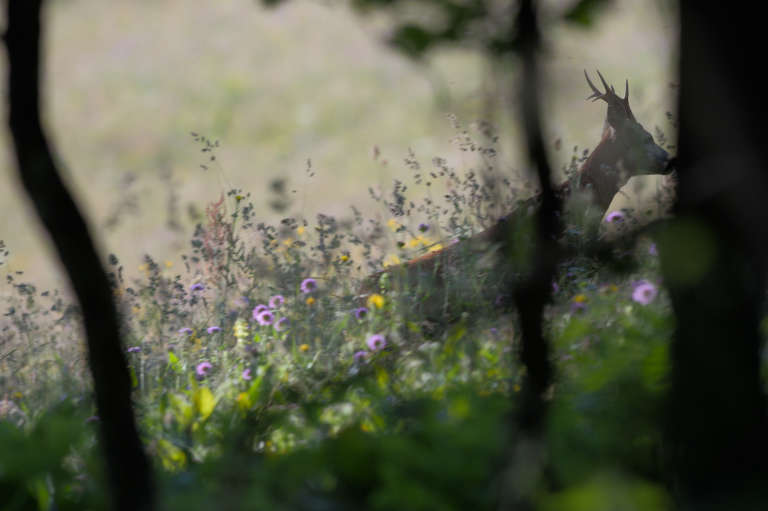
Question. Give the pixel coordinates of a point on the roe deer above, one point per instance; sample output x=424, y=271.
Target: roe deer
x=438, y=281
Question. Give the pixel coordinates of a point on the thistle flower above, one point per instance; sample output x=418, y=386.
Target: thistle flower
x=246, y=374
x=282, y=324
x=308, y=285
x=258, y=310
x=265, y=318
x=185, y=331
x=376, y=342
x=361, y=313
x=276, y=301
x=360, y=356
x=203, y=368
x=196, y=287
x=614, y=216
x=423, y=227
x=213, y=329
x=644, y=292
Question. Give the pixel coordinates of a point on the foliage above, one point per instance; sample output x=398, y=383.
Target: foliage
x=242, y=409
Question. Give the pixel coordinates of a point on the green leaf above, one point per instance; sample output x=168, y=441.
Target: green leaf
x=585, y=12
x=204, y=402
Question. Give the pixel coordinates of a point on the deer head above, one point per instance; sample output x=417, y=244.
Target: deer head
x=625, y=150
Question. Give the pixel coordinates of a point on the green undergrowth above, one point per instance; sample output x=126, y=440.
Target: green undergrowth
x=328, y=398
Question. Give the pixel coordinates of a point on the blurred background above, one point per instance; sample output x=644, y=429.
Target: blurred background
x=127, y=82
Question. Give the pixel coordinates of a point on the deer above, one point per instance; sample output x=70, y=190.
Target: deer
x=626, y=149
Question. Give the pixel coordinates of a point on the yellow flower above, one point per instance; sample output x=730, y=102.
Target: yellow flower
x=304, y=347
x=376, y=300
x=243, y=401
x=393, y=224
x=287, y=242
x=238, y=198
x=241, y=329
x=344, y=258
x=310, y=300
x=168, y=264
x=435, y=248
x=580, y=298
x=300, y=230
x=391, y=260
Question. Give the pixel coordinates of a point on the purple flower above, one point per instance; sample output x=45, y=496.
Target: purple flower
x=494, y=332
x=644, y=292
x=423, y=227
x=652, y=250
x=203, y=368
x=614, y=216
x=308, y=285
x=578, y=307
x=376, y=342
x=213, y=329
x=555, y=287
x=246, y=374
x=360, y=356
x=361, y=313
x=282, y=324
x=276, y=301
x=258, y=310
x=134, y=349
x=265, y=318
x=185, y=331
x=197, y=287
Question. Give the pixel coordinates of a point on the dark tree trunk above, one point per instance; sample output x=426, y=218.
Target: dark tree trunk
x=714, y=262
x=128, y=466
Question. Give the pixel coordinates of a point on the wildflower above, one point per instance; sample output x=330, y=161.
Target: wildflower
x=308, y=285
x=304, y=348
x=614, y=216
x=276, y=301
x=281, y=324
x=494, y=332
x=361, y=313
x=203, y=368
x=265, y=318
x=437, y=247
x=213, y=329
x=134, y=349
x=310, y=300
x=185, y=331
x=376, y=342
x=393, y=224
x=423, y=227
x=241, y=329
x=555, y=287
x=197, y=287
x=246, y=374
x=360, y=356
x=376, y=300
x=391, y=260
x=168, y=264
x=580, y=298
x=344, y=258
x=258, y=310
x=644, y=292
x=578, y=307
x=652, y=250
x=300, y=230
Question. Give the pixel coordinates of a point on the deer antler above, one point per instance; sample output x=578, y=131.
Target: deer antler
x=610, y=96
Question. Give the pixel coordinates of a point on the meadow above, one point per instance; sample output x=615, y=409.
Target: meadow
x=263, y=378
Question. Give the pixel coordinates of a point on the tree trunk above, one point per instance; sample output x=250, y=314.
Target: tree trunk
x=128, y=467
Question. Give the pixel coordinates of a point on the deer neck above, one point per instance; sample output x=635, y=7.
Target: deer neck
x=603, y=173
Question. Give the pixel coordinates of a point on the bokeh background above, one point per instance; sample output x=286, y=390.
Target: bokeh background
x=127, y=81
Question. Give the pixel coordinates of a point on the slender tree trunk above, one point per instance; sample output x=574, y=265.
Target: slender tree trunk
x=128, y=467
x=714, y=262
